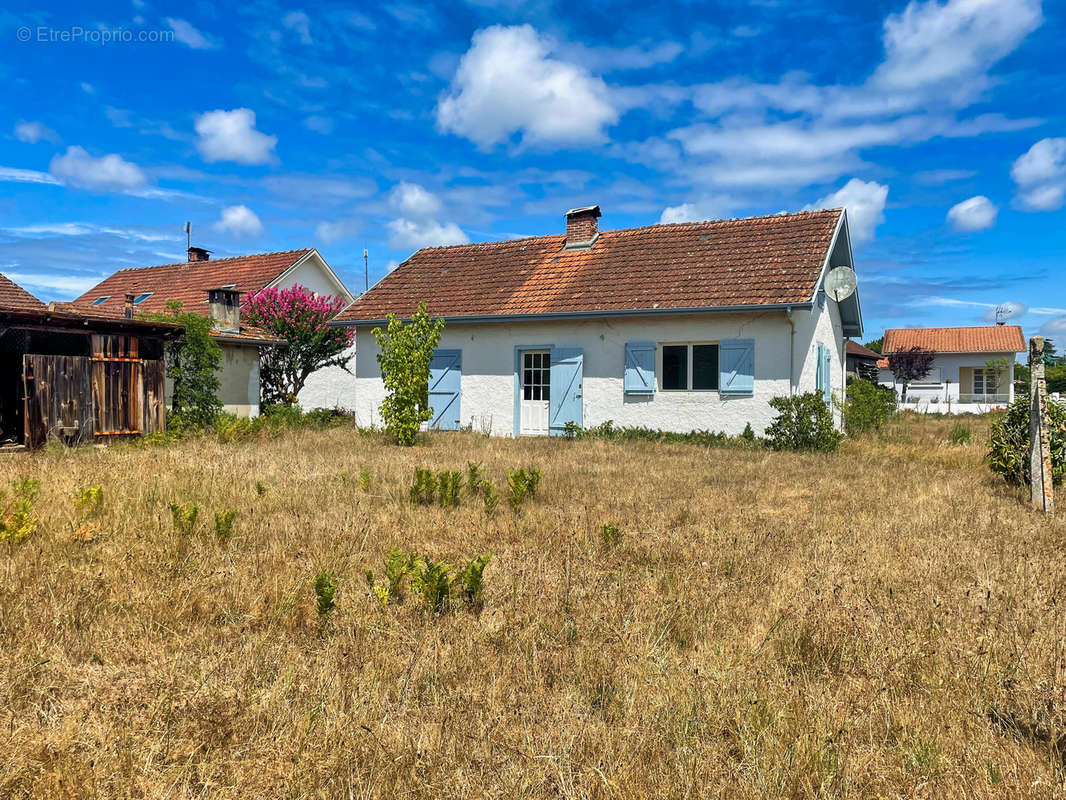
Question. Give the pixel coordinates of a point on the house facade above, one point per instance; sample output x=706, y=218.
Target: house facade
x=214, y=287
x=677, y=327
x=973, y=371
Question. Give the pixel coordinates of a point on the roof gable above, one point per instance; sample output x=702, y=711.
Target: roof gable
x=188, y=282
x=974, y=339
x=739, y=262
x=14, y=298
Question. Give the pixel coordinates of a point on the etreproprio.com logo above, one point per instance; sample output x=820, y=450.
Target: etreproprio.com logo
x=76, y=34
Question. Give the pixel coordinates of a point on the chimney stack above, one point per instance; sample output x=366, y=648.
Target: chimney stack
x=224, y=308
x=199, y=254
x=127, y=311
x=582, y=229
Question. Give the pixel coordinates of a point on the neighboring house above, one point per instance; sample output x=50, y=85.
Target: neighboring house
x=677, y=327
x=861, y=361
x=213, y=287
x=76, y=376
x=973, y=370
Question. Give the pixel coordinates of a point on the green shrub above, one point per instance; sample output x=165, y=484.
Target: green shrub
x=449, y=484
x=364, y=480
x=185, y=517
x=475, y=475
x=472, y=579
x=490, y=497
x=433, y=582
x=424, y=489
x=867, y=407
x=521, y=483
x=609, y=534
x=803, y=422
x=89, y=501
x=608, y=432
x=961, y=433
x=17, y=520
x=261, y=488
x=224, y=524
x=325, y=586
x=1008, y=444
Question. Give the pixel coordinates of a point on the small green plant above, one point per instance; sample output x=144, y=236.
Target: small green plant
x=89, y=501
x=961, y=433
x=17, y=520
x=27, y=489
x=224, y=524
x=364, y=480
x=433, y=582
x=449, y=484
x=521, y=483
x=261, y=488
x=748, y=434
x=474, y=476
x=571, y=430
x=490, y=498
x=185, y=517
x=472, y=579
x=803, y=422
x=610, y=535
x=325, y=586
x=398, y=565
x=424, y=489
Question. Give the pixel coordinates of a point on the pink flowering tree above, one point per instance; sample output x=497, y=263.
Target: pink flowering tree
x=301, y=319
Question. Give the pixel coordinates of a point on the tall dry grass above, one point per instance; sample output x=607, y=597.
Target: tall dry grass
x=886, y=621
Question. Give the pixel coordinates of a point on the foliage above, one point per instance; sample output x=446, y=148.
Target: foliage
x=185, y=517
x=875, y=344
x=748, y=434
x=803, y=422
x=520, y=484
x=424, y=489
x=433, y=582
x=325, y=586
x=193, y=363
x=490, y=497
x=261, y=488
x=475, y=475
x=398, y=564
x=610, y=535
x=301, y=319
x=449, y=484
x=960, y=433
x=89, y=501
x=17, y=520
x=867, y=407
x=607, y=431
x=1008, y=444
x=364, y=479
x=911, y=365
x=472, y=578
x=404, y=355
x=224, y=524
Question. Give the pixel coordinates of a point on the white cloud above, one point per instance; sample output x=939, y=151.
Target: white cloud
x=185, y=33
x=1040, y=175
x=33, y=132
x=231, y=136
x=63, y=283
x=330, y=232
x=106, y=173
x=507, y=83
x=414, y=201
x=300, y=24
x=974, y=214
x=240, y=221
x=697, y=211
x=1055, y=329
x=319, y=124
x=15, y=175
x=865, y=204
x=89, y=229
x=406, y=234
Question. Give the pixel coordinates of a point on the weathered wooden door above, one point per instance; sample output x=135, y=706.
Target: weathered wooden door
x=153, y=375
x=58, y=399
x=117, y=386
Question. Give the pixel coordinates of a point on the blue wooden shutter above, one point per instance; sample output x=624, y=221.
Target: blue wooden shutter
x=822, y=374
x=564, y=404
x=736, y=363
x=445, y=376
x=640, y=368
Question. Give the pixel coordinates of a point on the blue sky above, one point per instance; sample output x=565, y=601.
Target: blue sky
x=940, y=125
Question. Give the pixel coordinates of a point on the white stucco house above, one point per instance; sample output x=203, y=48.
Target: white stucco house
x=675, y=327
x=973, y=371
x=213, y=287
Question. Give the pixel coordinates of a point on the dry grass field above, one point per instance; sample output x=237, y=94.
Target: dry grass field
x=888, y=621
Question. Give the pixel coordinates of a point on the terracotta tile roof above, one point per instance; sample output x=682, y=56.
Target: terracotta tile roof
x=250, y=333
x=976, y=339
x=856, y=349
x=14, y=298
x=752, y=261
x=188, y=282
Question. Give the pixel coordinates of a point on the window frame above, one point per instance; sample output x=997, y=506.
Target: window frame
x=659, y=373
x=142, y=297
x=100, y=300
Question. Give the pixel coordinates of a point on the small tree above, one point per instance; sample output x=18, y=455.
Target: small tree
x=300, y=319
x=193, y=361
x=405, y=352
x=875, y=344
x=910, y=365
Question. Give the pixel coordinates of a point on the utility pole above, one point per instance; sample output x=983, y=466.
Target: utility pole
x=1039, y=434
x=366, y=270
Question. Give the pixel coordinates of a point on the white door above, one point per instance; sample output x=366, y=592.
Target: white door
x=535, y=388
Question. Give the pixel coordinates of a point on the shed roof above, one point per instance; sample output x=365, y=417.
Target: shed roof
x=14, y=298
x=974, y=339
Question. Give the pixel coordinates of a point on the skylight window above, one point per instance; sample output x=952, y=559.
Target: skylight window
x=100, y=300
x=142, y=297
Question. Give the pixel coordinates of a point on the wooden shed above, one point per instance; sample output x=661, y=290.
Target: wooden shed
x=79, y=378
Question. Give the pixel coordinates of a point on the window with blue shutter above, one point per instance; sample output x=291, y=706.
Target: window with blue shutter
x=822, y=374
x=564, y=401
x=640, y=368
x=737, y=365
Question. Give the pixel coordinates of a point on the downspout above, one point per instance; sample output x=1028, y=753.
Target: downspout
x=791, y=349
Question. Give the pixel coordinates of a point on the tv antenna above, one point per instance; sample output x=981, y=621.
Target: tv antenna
x=366, y=270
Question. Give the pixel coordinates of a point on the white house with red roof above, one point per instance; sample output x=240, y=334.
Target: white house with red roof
x=973, y=371
x=214, y=287
x=680, y=327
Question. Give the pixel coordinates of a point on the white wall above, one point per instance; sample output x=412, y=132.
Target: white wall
x=488, y=387
x=945, y=398
x=238, y=381
x=312, y=274
x=331, y=387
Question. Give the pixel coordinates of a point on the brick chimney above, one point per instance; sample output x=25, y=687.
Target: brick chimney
x=127, y=311
x=199, y=254
x=224, y=308
x=582, y=229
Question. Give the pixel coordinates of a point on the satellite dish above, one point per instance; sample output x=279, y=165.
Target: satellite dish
x=841, y=283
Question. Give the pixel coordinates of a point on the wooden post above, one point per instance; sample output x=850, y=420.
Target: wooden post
x=1039, y=434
